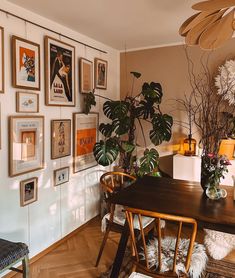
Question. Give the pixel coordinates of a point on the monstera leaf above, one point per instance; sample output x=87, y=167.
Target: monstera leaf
x=148, y=162
x=106, y=152
x=127, y=146
x=106, y=129
x=89, y=101
x=161, y=128
x=136, y=74
x=145, y=109
x=115, y=109
x=152, y=91
x=121, y=126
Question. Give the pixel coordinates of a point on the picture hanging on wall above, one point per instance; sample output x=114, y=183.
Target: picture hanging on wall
x=26, y=146
x=61, y=176
x=85, y=135
x=101, y=67
x=86, y=76
x=60, y=138
x=25, y=64
x=1, y=60
x=28, y=191
x=59, y=73
x=27, y=102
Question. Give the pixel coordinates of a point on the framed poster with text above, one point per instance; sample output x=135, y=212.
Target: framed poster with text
x=86, y=75
x=85, y=135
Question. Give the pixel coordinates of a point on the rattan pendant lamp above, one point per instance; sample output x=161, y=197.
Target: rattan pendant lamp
x=212, y=26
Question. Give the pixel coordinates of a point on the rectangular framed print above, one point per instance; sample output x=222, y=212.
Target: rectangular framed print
x=61, y=176
x=26, y=144
x=28, y=191
x=1, y=60
x=86, y=75
x=60, y=73
x=27, y=102
x=25, y=64
x=60, y=138
x=85, y=135
x=101, y=67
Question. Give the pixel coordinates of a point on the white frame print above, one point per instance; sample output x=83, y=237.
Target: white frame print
x=27, y=102
x=86, y=76
x=1, y=59
x=61, y=176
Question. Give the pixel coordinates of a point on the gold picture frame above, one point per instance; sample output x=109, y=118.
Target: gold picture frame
x=86, y=76
x=2, y=75
x=28, y=191
x=27, y=102
x=101, y=68
x=61, y=176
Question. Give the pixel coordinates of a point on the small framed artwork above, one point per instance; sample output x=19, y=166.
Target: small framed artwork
x=25, y=64
x=85, y=135
x=60, y=138
x=61, y=176
x=26, y=144
x=28, y=191
x=60, y=73
x=101, y=67
x=86, y=75
x=1, y=60
x=27, y=102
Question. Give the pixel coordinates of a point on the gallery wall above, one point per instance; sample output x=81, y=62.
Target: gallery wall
x=58, y=210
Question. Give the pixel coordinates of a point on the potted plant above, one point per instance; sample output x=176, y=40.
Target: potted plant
x=125, y=116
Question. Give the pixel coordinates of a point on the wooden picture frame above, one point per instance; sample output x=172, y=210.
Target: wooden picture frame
x=26, y=144
x=60, y=138
x=101, y=68
x=85, y=135
x=28, y=191
x=59, y=73
x=25, y=64
x=27, y=102
x=86, y=76
x=61, y=176
x=2, y=75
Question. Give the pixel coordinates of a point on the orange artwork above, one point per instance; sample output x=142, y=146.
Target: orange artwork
x=86, y=138
x=28, y=141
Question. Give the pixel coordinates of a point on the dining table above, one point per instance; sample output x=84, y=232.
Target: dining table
x=176, y=197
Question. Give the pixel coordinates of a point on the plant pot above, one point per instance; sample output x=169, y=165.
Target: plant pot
x=227, y=148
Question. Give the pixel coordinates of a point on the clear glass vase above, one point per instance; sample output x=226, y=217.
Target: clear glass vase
x=215, y=193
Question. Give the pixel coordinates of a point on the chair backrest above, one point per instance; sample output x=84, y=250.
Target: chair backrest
x=142, y=244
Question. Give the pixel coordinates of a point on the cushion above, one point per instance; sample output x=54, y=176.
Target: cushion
x=11, y=252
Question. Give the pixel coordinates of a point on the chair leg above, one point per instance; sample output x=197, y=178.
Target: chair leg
x=25, y=266
x=102, y=246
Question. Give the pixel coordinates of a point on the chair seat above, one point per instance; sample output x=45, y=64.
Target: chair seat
x=138, y=275
x=10, y=252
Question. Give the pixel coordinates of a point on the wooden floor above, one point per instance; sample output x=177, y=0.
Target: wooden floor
x=76, y=257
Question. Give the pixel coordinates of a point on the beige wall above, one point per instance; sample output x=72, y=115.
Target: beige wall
x=168, y=66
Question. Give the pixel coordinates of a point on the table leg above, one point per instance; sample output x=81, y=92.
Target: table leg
x=121, y=251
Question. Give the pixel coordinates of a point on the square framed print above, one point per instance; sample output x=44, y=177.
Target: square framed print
x=28, y=191
x=1, y=59
x=26, y=144
x=27, y=102
x=86, y=75
x=60, y=138
x=60, y=73
x=85, y=135
x=61, y=176
x=25, y=64
x=101, y=67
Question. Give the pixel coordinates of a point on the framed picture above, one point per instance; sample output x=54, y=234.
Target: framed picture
x=101, y=67
x=1, y=60
x=27, y=102
x=60, y=138
x=25, y=64
x=85, y=135
x=28, y=191
x=86, y=76
x=26, y=144
x=60, y=73
x=61, y=176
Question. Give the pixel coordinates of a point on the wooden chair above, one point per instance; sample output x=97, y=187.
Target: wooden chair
x=161, y=255
x=114, y=220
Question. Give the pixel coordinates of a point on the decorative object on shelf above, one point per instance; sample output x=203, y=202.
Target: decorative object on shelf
x=227, y=148
x=60, y=138
x=28, y=191
x=101, y=71
x=212, y=26
x=61, y=176
x=85, y=134
x=59, y=73
x=27, y=102
x=26, y=144
x=1, y=59
x=25, y=64
x=119, y=135
x=86, y=75
x=190, y=146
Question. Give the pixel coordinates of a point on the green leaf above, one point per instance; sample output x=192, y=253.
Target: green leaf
x=136, y=74
x=152, y=91
x=145, y=109
x=89, y=101
x=106, y=152
x=115, y=109
x=148, y=162
x=106, y=129
x=121, y=125
x=161, y=131
x=127, y=146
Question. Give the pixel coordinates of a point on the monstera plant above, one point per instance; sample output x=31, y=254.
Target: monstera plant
x=125, y=116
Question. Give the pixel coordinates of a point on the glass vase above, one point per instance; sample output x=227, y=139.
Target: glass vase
x=215, y=193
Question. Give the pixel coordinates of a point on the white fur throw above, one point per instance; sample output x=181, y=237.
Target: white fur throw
x=198, y=258
x=218, y=244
